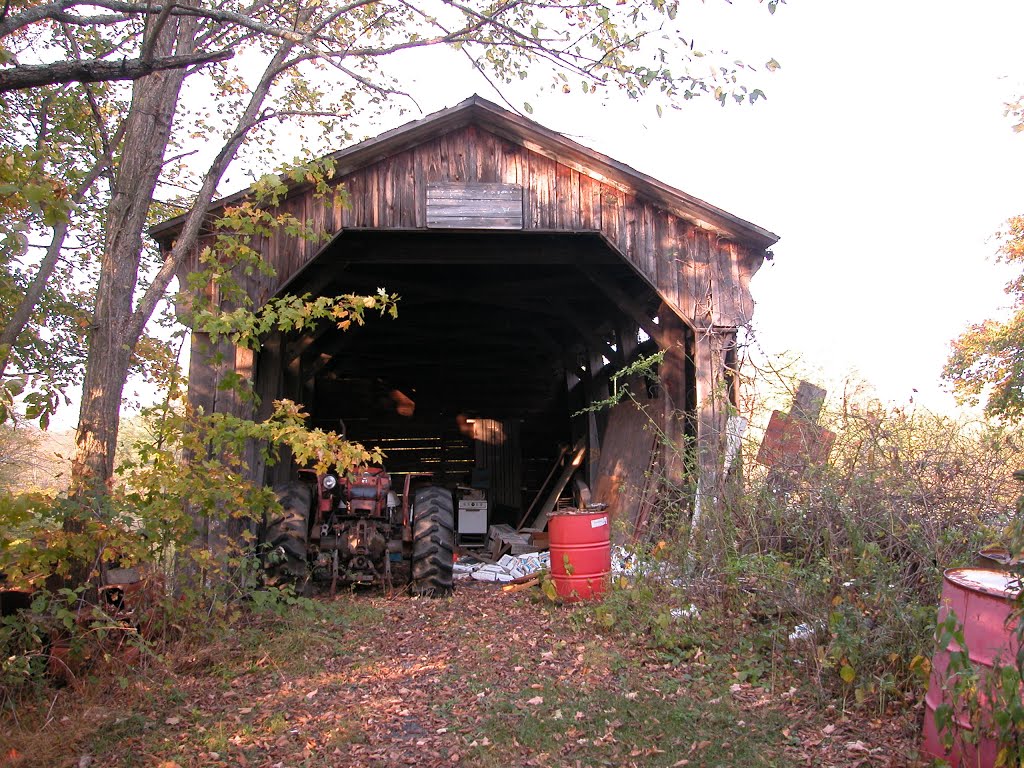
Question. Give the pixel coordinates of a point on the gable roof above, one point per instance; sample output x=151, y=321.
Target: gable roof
x=536, y=138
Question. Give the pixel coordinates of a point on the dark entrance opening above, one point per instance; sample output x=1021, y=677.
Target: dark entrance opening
x=500, y=338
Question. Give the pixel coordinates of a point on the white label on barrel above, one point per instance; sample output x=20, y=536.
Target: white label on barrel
x=599, y=522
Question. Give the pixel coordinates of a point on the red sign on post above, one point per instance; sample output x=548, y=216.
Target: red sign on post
x=791, y=442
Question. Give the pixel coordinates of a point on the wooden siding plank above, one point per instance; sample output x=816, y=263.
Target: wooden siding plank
x=612, y=217
x=538, y=201
x=443, y=160
x=404, y=184
x=373, y=183
x=562, y=197
x=727, y=258
x=457, y=170
x=487, y=158
x=343, y=205
x=687, y=239
x=387, y=215
x=722, y=293
x=747, y=261
x=352, y=213
x=666, y=250
x=587, y=202
x=647, y=240
x=628, y=234
x=511, y=161
x=704, y=280
x=470, y=141
x=419, y=175
x=475, y=206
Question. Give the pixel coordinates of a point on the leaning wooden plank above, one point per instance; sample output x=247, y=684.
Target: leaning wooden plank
x=625, y=468
x=540, y=492
x=549, y=504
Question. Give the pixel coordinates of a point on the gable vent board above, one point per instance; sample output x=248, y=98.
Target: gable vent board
x=474, y=206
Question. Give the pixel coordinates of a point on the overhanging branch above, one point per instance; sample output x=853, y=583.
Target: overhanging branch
x=96, y=70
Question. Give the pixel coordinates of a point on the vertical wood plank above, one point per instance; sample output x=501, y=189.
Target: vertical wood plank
x=703, y=288
x=487, y=157
x=629, y=216
x=574, y=201
x=508, y=162
x=375, y=186
x=353, y=215
x=595, y=203
x=561, y=197
x=666, y=252
x=386, y=216
x=586, y=202
x=419, y=175
x=343, y=205
x=443, y=159
x=536, y=172
x=747, y=261
x=470, y=143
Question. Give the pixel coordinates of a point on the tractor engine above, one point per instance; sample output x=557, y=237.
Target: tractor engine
x=354, y=522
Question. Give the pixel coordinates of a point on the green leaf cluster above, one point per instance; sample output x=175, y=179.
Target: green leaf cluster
x=986, y=362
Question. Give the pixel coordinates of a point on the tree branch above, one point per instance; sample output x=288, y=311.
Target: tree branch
x=97, y=70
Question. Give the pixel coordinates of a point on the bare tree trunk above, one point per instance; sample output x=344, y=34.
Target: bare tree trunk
x=113, y=335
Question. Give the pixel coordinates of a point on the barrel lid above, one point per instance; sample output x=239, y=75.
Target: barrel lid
x=986, y=581
x=1001, y=555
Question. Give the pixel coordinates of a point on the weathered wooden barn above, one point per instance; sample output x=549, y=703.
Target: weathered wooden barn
x=530, y=269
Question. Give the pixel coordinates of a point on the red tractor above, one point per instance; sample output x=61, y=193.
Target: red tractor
x=349, y=527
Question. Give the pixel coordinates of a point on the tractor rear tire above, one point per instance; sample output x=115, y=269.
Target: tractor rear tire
x=433, y=542
x=287, y=534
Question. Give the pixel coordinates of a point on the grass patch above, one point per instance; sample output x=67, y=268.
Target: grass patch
x=602, y=727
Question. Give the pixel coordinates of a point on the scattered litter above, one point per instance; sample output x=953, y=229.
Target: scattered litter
x=631, y=564
x=801, y=632
x=508, y=568
x=689, y=612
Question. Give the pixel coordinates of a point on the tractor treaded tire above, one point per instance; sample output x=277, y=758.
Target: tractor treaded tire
x=289, y=530
x=433, y=541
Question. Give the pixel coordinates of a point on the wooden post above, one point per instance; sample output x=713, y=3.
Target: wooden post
x=673, y=386
x=712, y=412
x=596, y=389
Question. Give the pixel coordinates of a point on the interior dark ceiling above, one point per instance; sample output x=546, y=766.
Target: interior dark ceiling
x=488, y=322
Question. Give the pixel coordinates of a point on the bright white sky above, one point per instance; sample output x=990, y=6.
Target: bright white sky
x=882, y=158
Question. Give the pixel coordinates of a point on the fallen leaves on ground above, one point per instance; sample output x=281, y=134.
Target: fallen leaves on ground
x=424, y=682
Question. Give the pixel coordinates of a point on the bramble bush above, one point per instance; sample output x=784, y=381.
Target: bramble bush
x=837, y=571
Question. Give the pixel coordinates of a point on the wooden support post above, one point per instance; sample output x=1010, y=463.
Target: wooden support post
x=628, y=334
x=596, y=386
x=712, y=412
x=673, y=386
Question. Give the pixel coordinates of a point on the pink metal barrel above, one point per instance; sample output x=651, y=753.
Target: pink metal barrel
x=982, y=601
x=581, y=559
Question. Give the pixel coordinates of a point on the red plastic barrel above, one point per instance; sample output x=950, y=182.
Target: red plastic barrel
x=982, y=600
x=581, y=554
